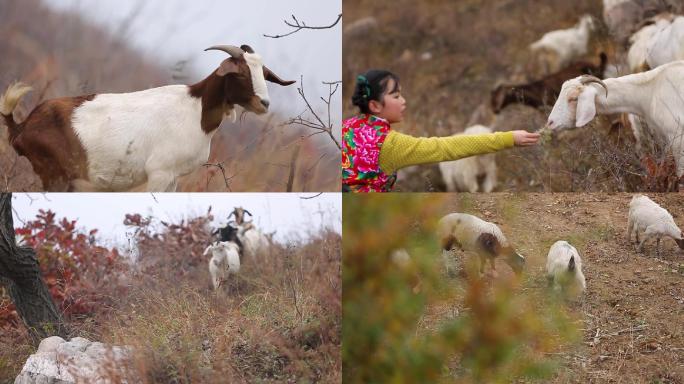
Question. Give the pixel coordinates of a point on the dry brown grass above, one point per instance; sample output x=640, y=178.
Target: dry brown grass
x=279, y=320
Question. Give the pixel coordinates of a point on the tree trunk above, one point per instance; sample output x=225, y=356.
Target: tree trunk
x=20, y=273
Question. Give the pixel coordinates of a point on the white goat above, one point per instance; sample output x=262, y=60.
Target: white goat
x=463, y=174
x=558, y=48
x=641, y=43
x=667, y=44
x=472, y=234
x=655, y=95
x=653, y=220
x=564, y=267
x=225, y=261
x=254, y=242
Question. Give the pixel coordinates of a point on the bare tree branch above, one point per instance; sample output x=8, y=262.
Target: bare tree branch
x=298, y=26
x=317, y=123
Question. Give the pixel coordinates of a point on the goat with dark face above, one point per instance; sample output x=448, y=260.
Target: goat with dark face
x=149, y=138
x=544, y=91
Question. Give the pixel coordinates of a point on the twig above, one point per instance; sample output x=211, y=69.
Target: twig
x=223, y=172
x=298, y=26
x=318, y=123
x=310, y=197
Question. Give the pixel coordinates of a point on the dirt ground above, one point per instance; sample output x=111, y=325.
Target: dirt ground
x=632, y=315
x=451, y=58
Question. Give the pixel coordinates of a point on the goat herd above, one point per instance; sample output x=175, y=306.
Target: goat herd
x=475, y=236
x=238, y=240
x=649, y=97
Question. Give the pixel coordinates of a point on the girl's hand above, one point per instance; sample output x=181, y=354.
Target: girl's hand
x=525, y=139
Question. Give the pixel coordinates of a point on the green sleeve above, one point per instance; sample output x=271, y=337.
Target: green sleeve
x=400, y=150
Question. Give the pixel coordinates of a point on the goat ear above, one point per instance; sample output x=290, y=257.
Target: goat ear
x=273, y=78
x=226, y=67
x=586, y=106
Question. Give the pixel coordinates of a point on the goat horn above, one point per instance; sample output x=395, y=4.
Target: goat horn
x=247, y=212
x=586, y=79
x=232, y=50
x=273, y=78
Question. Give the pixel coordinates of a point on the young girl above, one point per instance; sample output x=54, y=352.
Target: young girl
x=372, y=152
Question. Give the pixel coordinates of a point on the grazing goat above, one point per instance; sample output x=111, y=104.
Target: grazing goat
x=556, y=49
x=544, y=91
x=655, y=95
x=225, y=261
x=564, y=267
x=115, y=142
x=653, y=220
x=472, y=234
x=465, y=174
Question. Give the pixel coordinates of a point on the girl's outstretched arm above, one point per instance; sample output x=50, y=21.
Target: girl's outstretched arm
x=400, y=150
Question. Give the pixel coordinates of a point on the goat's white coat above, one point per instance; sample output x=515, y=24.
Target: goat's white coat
x=557, y=262
x=641, y=43
x=655, y=95
x=462, y=175
x=153, y=135
x=253, y=241
x=225, y=260
x=256, y=70
x=649, y=218
x=568, y=44
x=667, y=44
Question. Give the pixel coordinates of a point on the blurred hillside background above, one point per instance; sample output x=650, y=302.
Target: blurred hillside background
x=74, y=47
x=451, y=55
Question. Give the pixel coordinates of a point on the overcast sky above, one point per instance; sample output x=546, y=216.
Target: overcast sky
x=175, y=30
x=287, y=213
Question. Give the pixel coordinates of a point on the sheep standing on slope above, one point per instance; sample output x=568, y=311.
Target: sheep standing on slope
x=564, y=267
x=653, y=220
x=556, y=49
x=225, y=261
x=472, y=234
x=464, y=174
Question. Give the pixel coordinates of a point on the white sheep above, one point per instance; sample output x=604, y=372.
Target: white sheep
x=485, y=239
x=556, y=49
x=654, y=95
x=653, y=220
x=463, y=174
x=564, y=267
x=225, y=261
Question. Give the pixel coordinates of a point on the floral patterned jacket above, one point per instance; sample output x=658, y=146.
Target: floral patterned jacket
x=362, y=139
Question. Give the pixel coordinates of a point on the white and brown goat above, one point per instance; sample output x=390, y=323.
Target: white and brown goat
x=116, y=142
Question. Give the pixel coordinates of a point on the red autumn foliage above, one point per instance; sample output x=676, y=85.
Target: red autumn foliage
x=173, y=251
x=81, y=276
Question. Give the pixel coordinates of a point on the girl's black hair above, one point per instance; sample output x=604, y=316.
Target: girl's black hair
x=372, y=85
